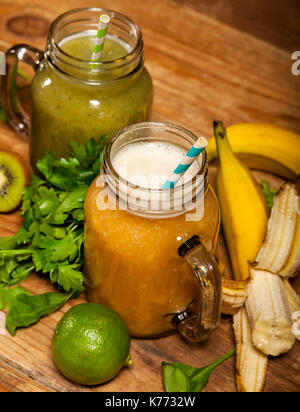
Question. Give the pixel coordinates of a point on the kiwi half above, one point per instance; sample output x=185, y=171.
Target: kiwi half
x=12, y=182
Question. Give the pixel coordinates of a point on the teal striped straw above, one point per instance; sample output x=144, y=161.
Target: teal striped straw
x=186, y=163
x=100, y=39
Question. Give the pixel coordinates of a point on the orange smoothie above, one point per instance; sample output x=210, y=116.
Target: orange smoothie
x=131, y=261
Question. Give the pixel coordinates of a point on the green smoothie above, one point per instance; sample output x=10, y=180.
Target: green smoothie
x=66, y=106
x=82, y=48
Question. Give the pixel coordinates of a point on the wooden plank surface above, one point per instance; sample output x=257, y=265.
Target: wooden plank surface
x=275, y=21
x=202, y=69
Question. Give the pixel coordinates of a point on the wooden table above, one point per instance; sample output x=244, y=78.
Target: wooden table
x=202, y=69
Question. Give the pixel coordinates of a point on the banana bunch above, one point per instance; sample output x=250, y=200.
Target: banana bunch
x=266, y=310
x=263, y=147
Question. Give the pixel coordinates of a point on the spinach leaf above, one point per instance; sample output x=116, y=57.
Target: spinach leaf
x=26, y=310
x=7, y=295
x=175, y=379
x=179, y=377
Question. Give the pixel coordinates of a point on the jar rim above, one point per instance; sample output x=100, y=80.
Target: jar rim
x=134, y=53
x=107, y=162
x=157, y=202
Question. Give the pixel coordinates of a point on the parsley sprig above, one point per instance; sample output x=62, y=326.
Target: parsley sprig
x=51, y=239
x=269, y=193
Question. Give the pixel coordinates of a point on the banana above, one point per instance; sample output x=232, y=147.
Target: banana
x=264, y=147
x=269, y=313
x=234, y=296
x=292, y=265
x=294, y=305
x=251, y=364
x=279, y=240
x=244, y=210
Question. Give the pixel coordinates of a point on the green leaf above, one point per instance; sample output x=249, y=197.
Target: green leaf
x=7, y=296
x=90, y=154
x=27, y=310
x=59, y=250
x=45, y=165
x=15, y=267
x=7, y=268
x=79, y=151
x=30, y=192
x=21, y=272
x=68, y=277
x=48, y=202
x=179, y=377
x=3, y=297
x=175, y=379
x=29, y=218
x=23, y=237
x=269, y=194
x=51, y=238
x=73, y=200
x=7, y=243
x=78, y=215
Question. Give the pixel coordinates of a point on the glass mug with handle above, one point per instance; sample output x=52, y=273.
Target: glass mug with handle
x=149, y=252
x=73, y=98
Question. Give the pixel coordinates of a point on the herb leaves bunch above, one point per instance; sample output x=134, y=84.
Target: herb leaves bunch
x=51, y=239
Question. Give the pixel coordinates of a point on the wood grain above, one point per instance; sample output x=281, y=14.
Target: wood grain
x=274, y=21
x=203, y=71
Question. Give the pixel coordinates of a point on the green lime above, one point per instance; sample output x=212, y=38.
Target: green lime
x=91, y=344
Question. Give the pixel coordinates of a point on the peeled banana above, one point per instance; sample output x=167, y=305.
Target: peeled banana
x=292, y=265
x=269, y=313
x=281, y=231
x=294, y=305
x=251, y=364
x=264, y=147
x=244, y=210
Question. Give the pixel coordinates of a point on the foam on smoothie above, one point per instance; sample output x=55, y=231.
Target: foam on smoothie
x=149, y=164
x=80, y=46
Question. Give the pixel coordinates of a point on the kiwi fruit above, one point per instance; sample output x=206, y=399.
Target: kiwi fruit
x=12, y=181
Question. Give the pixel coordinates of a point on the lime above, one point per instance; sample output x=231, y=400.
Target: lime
x=91, y=344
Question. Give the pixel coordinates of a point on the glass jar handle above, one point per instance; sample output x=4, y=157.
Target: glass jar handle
x=16, y=116
x=201, y=318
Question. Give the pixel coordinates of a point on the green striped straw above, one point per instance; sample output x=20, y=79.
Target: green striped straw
x=186, y=163
x=100, y=39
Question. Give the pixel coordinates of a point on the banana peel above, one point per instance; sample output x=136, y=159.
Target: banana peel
x=234, y=296
x=294, y=305
x=251, y=364
x=279, y=240
x=292, y=266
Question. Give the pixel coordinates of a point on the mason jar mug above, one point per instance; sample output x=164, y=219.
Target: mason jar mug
x=149, y=253
x=73, y=98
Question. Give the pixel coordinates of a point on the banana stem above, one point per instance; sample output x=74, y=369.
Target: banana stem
x=221, y=138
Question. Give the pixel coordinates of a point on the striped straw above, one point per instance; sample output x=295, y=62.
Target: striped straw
x=100, y=39
x=186, y=162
